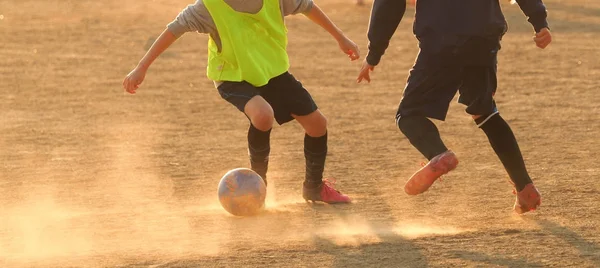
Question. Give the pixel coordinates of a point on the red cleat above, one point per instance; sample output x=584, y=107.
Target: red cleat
x=325, y=193
x=528, y=199
x=427, y=175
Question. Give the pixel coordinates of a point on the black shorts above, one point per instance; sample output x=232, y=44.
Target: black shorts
x=284, y=93
x=435, y=78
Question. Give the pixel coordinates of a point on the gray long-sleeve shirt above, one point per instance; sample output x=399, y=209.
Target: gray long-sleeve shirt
x=196, y=18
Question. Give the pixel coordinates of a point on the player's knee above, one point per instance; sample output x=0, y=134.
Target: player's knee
x=405, y=123
x=317, y=126
x=263, y=120
x=481, y=119
x=260, y=113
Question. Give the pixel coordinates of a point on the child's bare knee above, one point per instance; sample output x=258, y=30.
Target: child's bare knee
x=262, y=120
x=317, y=126
x=260, y=113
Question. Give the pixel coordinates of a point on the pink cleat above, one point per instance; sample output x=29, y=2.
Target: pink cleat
x=325, y=193
x=427, y=175
x=528, y=199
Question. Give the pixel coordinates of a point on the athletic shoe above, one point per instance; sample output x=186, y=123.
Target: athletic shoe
x=428, y=174
x=528, y=199
x=325, y=193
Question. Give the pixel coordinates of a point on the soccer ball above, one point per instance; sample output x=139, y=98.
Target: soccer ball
x=242, y=192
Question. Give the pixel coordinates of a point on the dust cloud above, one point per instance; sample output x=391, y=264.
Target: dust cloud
x=355, y=231
x=126, y=211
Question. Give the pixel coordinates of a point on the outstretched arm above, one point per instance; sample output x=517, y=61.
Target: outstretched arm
x=161, y=44
x=385, y=18
x=346, y=45
x=136, y=77
x=193, y=18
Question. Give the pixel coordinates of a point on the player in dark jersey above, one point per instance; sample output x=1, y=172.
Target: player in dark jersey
x=459, y=41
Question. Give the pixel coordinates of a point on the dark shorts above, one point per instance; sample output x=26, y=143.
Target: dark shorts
x=435, y=78
x=284, y=93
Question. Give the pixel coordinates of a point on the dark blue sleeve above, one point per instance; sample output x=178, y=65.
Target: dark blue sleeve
x=385, y=18
x=535, y=10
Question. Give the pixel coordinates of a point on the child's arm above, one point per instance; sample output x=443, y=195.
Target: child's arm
x=194, y=18
x=136, y=77
x=535, y=10
x=385, y=18
x=346, y=45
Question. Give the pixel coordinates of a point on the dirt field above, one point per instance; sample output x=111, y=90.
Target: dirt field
x=91, y=177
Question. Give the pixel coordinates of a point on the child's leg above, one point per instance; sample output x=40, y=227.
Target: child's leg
x=315, y=147
x=504, y=143
x=315, y=153
x=423, y=135
x=290, y=100
x=247, y=99
x=260, y=114
x=477, y=92
x=431, y=85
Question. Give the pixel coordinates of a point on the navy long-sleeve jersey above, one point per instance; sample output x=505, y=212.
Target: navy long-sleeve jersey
x=440, y=23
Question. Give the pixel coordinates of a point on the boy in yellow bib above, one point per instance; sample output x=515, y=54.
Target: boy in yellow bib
x=247, y=59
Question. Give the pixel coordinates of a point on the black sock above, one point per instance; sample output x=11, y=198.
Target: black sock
x=423, y=135
x=259, y=149
x=505, y=145
x=315, y=152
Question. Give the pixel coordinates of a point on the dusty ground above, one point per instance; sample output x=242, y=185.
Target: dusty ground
x=92, y=177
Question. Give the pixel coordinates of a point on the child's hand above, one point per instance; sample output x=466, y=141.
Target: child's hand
x=133, y=80
x=350, y=48
x=365, y=72
x=543, y=38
